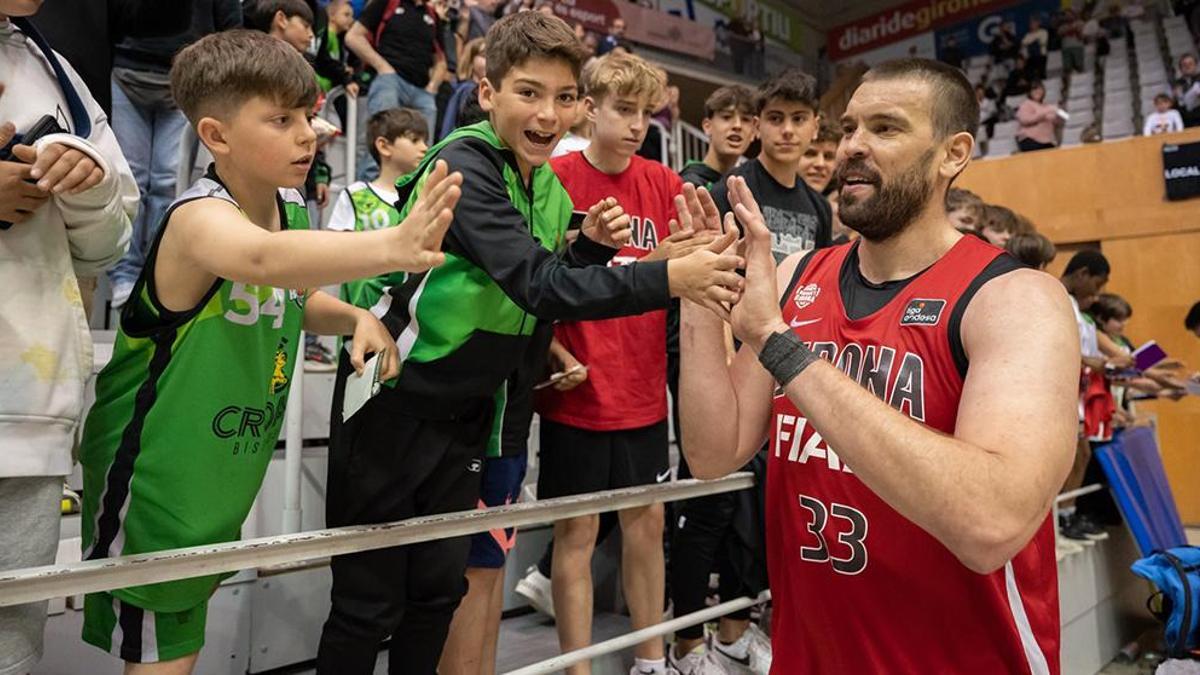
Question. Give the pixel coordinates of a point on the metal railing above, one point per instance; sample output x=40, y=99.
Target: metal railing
x=56, y=581
x=689, y=143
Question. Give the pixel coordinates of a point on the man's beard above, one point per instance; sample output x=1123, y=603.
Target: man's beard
x=894, y=204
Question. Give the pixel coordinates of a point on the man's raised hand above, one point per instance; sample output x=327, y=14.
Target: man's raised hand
x=757, y=314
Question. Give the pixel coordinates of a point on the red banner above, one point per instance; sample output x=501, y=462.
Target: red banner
x=646, y=26
x=912, y=18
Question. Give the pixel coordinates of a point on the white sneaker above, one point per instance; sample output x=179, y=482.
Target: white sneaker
x=699, y=661
x=1064, y=547
x=535, y=587
x=750, y=655
x=760, y=649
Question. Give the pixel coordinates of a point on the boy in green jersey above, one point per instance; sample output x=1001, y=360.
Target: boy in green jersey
x=188, y=411
x=396, y=139
x=417, y=448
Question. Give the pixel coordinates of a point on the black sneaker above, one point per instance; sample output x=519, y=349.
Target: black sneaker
x=1090, y=528
x=318, y=358
x=1069, y=527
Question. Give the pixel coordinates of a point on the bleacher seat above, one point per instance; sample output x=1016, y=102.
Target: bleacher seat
x=1054, y=62
x=1072, y=136
x=1053, y=93
x=1015, y=101
x=1152, y=90
x=1083, y=89
x=1081, y=118
x=1117, y=128
x=1080, y=104
x=1005, y=130
x=1001, y=147
x=981, y=61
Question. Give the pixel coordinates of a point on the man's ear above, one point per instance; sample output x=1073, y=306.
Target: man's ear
x=959, y=148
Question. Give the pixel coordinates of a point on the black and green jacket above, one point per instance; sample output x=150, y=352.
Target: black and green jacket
x=465, y=326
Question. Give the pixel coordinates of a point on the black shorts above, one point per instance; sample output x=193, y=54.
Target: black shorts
x=576, y=461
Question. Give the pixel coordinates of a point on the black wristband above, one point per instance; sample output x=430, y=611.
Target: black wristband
x=785, y=356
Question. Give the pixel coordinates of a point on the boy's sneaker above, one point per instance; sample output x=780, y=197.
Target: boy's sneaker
x=750, y=655
x=1090, y=528
x=535, y=587
x=699, y=661
x=317, y=357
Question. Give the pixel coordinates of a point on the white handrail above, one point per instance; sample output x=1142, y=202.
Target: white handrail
x=1086, y=489
x=664, y=140
x=691, y=144
x=56, y=581
x=636, y=637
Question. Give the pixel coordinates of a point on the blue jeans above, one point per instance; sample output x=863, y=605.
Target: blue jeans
x=149, y=138
x=392, y=91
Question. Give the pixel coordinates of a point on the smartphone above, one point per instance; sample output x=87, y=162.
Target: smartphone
x=45, y=126
x=558, y=376
x=1148, y=355
x=361, y=388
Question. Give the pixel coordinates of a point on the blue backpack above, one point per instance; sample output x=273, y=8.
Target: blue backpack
x=1176, y=574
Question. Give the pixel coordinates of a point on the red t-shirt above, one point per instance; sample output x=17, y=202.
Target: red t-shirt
x=626, y=357
x=859, y=588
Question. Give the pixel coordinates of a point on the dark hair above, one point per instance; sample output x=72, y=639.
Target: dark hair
x=999, y=218
x=1110, y=306
x=394, y=123
x=957, y=198
x=260, y=13
x=953, y=106
x=469, y=111
x=218, y=73
x=828, y=132
x=1163, y=97
x=1093, y=261
x=1032, y=249
x=790, y=85
x=736, y=96
x=518, y=37
x=1192, y=320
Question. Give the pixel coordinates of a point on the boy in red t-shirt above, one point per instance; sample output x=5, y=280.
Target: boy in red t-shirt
x=610, y=429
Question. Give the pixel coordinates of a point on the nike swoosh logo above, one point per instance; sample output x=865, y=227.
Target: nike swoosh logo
x=662, y=476
x=796, y=324
x=745, y=660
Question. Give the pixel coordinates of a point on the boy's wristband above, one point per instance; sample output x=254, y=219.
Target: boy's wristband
x=784, y=356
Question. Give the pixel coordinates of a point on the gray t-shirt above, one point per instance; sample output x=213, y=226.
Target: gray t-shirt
x=799, y=218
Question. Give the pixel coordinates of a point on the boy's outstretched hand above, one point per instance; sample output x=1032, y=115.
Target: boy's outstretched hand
x=420, y=234
x=756, y=316
x=607, y=223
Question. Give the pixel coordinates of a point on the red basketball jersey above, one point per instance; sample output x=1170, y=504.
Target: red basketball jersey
x=857, y=587
x=627, y=356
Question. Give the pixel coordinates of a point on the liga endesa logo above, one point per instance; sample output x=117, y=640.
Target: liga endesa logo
x=904, y=21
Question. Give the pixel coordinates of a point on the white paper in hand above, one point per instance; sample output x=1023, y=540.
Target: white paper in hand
x=360, y=388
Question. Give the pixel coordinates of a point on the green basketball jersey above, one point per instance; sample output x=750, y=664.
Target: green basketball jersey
x=187, y=415
x=361, y=208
